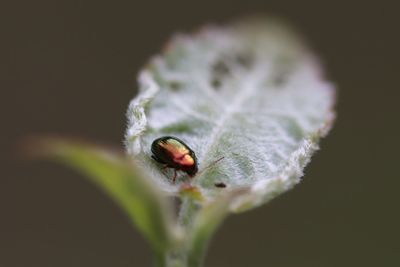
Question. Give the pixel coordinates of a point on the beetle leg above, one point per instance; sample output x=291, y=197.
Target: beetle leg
x=163, y=168
x=174, y=178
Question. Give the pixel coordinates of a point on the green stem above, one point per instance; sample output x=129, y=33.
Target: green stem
x=178, y=255
x=187, y=212
x=174, y=256
x=199, y=224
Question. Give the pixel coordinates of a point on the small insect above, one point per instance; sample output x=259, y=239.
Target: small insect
x=220, y=185
x=174, y=153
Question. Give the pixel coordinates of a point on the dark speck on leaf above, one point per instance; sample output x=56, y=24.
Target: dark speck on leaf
x=175, y=86
x=219, y=71
x=220, y=185
x=220, y=68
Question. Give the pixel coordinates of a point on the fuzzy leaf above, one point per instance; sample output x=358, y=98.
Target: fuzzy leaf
x=250, y=92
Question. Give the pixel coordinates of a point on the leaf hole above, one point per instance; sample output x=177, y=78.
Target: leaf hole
x=245, y=60
x=220, y=68
x=216, y=83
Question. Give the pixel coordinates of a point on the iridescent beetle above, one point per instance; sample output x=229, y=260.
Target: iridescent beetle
x=174, y=153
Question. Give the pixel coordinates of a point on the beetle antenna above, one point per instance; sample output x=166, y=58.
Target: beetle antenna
x=211, y=164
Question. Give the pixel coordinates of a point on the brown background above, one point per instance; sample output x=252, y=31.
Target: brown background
x=68, y=67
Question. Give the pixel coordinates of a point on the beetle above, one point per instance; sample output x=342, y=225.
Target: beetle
x=174, y=153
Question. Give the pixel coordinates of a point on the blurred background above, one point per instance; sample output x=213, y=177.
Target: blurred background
x=69, y=68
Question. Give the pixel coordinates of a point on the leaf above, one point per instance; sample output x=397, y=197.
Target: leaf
x=123, y=182
x=250, y=92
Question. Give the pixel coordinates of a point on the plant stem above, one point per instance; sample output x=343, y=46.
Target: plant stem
x=198, y=224
x=178, y=254
x=187, y=212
